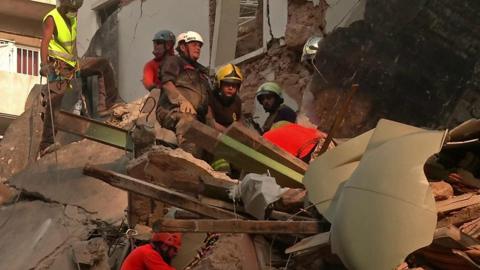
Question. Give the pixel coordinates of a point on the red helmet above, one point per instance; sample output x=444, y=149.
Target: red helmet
x=171, y=239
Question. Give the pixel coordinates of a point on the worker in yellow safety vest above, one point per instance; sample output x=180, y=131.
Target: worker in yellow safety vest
x=58, y=61
x=60, y=64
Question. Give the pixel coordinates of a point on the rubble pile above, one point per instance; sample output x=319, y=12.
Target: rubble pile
x=282, y=63
x=395, y=196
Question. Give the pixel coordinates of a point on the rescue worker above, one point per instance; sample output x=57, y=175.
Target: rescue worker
x=163, y=43
x=224, y=102
x=58, y=60
x=302, y=142
x=270, y=96
x=157, y=255
x=185, y=88
x=60, y=65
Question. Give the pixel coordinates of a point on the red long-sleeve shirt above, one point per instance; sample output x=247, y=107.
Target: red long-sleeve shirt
x=294, y=138
x=145, y=258
x=150, y=74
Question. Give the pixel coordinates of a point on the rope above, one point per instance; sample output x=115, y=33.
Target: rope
x=53, y=125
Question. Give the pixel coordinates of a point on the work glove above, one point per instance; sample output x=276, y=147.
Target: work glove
x=46, y=69
x=185, y=106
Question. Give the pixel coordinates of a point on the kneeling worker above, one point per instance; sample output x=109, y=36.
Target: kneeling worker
x=157, y=255
x=185, y=88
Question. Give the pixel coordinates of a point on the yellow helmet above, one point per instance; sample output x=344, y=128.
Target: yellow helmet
x=228, y=73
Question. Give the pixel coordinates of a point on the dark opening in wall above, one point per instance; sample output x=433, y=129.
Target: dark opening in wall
x=107, y=9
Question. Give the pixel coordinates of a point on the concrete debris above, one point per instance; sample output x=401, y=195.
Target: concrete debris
x=92, y=253
x=41, y=231
x=23, y=135
x=373, y=202
x=231, y=251
x=124, y=115
x=176, y=169
x=441, y=190
x=58, y=178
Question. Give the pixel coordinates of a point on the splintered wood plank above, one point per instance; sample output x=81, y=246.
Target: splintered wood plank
x=461, y=216
x=238, y=208
x=457, y=202
x=316, y=241
x=236, y=226
x=156, y=192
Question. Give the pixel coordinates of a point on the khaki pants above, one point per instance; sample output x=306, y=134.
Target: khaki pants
x=57, y=91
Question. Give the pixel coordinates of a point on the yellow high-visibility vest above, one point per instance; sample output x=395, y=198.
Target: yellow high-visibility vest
x=62, y=46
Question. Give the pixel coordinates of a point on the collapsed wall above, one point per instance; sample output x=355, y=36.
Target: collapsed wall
x=416, y=62
x=282, y=62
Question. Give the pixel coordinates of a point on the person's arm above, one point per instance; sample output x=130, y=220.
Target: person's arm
x=210, y=121
x=168, y=76
x=149, y=77
x=48, y=29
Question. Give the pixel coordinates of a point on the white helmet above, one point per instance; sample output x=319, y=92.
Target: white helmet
x=180, y=37
x=192, y=36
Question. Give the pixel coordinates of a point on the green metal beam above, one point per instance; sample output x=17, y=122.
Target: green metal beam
x=93, y=130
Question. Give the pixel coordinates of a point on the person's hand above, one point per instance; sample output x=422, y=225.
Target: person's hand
x=186, y=106
x=46, y=69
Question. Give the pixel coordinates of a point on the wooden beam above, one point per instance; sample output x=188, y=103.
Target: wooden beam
x=463, y=215
x=156, y=192
x=278, y=215
x=241, y=155
x=236, y=226
x=316, y=241
x=253, y=140
x=457, y=202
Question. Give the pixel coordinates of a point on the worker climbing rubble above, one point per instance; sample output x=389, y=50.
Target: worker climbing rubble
x=157, y=255
x=185, y=88
x=270, y=96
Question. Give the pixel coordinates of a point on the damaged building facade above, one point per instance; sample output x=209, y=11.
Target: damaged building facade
x=415, y=63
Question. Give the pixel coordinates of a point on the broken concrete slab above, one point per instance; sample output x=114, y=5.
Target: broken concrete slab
x=41, y=233
x=21, y=140
x=177, y=169
x=58, y=177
